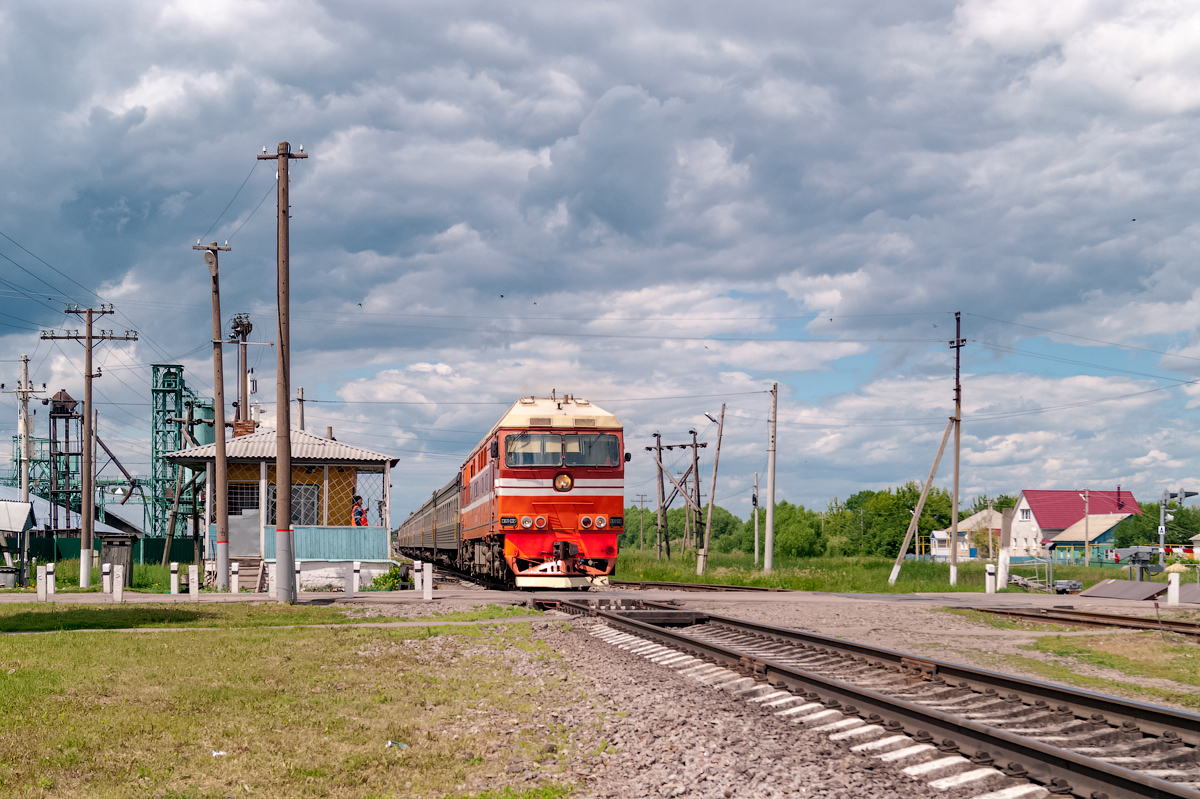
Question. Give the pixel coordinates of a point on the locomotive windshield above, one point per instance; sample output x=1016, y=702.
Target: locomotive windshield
x=552, y=449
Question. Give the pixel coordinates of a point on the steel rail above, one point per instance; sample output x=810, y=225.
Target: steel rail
x=1088, y=618
x=692, y=586
x=1085, y=776
x=1152, y=719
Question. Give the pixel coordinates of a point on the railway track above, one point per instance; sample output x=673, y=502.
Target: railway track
x=688, y=586
x=1087, y=618
x=953, y=726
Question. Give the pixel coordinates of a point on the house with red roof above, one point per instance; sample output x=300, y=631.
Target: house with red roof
x=1052, y=515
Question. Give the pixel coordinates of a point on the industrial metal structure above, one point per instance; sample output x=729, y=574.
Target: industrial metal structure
x=178, y=419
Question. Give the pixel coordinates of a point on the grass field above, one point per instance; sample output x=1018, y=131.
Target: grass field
x=146, y=578
x=296, y=712
x=44, y=617
x=836, y=575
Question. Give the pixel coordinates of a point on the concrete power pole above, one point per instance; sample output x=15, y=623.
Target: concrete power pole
x=24, y=391
x=300, y=405
x=87, y=498
x=285, y=552
x=662, y=492
x=220, y=468
x=702, y=561
x=769, y=548
x=957, y=346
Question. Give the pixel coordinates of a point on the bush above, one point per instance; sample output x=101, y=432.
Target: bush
x=393, y=580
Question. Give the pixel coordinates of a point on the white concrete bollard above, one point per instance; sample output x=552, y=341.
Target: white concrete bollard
x=234, y=586
x=106, y=578
x=357, y=578
x=1173, y=589
x=41, y=583
x=417, y=575
x=174, y=578
x=427, y=583
x=118, y=583
x=296, y=585
x=194, y=582
x=989, y=581
x=50, y=587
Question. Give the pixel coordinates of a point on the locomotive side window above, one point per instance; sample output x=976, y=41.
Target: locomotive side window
x=593, y=449
x=533, y=449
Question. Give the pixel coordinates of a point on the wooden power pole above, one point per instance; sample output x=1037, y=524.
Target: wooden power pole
x=754, y=502
x=87, y=499
x=285, y=551
x=702, y=560
x=769, y=547
x=220, y=498
x=641, y=522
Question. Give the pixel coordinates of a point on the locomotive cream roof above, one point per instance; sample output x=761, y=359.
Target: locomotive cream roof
x=564, y=411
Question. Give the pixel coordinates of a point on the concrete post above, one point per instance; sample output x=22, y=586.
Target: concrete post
x=1173, y=589
x=417, y=575
x=357, y=577
x=989, y=581
x=194, y=582
x=106, y=578
x=50, y=587
x=174, y=578
x=118, y=583
x=41, y=583
x=234, y=585
x=297, y=582
x=427, y=583
x=348, y=584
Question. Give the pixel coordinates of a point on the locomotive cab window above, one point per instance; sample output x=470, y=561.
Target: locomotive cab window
x=533, y=449
x=593, y=449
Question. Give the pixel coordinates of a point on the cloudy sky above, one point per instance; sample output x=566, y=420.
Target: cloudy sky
x=661, y=206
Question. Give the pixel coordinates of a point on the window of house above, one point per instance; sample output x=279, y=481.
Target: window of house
x=306, y=505
x=242, y=496
x=1026, y=514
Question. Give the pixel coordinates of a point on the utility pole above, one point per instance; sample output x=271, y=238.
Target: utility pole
x=285, y=551
x=1087, y=539
x=220, y=468
x=754, y=502
x=641, y=521
x=87, y=502
x=662, y=491
x=696, y=483
x=24, y=391
x=1163, y=517
x=957, y=346
x=991, y=548
x=769, y=549
x=241, y=327
x=702, y=561
x=300, y=404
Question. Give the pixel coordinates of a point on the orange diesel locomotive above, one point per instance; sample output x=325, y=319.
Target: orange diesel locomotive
x=538, y=503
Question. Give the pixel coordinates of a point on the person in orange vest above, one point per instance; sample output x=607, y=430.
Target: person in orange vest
x=360, y=515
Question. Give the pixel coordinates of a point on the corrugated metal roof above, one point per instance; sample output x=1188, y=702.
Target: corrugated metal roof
x=1058, y=510
x=1097, y=525
x=256, y=447
x=566, y=411
x=41, y=508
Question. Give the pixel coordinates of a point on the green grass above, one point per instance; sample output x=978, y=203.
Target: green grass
x=860, y=574
x=1141, y=654
x=147, y=578
x=298, y=712
x=1001, y=622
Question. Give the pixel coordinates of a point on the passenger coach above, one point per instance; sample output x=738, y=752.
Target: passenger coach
x=539, y=503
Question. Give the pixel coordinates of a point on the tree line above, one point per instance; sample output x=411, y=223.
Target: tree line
x=866, y=523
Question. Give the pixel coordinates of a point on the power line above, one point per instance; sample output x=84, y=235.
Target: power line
x=231, y=199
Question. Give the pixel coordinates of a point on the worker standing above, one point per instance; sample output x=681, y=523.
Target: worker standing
x=360, y=515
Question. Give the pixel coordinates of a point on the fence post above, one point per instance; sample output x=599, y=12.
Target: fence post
x=50, y=587
x=194, y=582
x=234, y=586
x=174, y=578
x=357, y=584
x=1173, y=589
x=417, y=567
x=427, y=583
x=118, y=583
x=989, y=582
x=41, y=583
x=106, y=578
x=297, y=579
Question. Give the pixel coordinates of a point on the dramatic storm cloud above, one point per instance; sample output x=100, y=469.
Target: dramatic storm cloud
x=659, y=206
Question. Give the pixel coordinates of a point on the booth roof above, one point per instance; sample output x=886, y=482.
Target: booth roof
x=258, y=447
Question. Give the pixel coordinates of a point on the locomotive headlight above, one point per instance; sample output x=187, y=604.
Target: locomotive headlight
x=540, y=522
x=526, y=522
x=563, y=482
x=585, y=522
x=600, y=522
